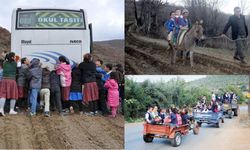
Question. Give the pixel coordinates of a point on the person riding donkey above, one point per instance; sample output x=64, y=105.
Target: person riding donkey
x=184, y=24
x=182, y=35
x=170, y=25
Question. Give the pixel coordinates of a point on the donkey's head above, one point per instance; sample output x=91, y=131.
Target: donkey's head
x=198, y=30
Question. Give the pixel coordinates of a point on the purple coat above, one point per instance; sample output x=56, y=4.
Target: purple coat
x=113, y=92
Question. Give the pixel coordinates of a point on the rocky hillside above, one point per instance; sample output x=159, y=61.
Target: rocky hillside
x=4, y=40
x=109, y=51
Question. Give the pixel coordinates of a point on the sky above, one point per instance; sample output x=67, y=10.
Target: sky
x=155, y=78
x=226, y=6
x=106, y=16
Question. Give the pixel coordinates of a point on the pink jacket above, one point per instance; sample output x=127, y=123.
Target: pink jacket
x=64, y=71
x=113, y=92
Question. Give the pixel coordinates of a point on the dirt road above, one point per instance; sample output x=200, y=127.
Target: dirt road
x=55, y=132
x=233, y=135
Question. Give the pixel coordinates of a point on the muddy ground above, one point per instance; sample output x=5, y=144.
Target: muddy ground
x=56, y=132
x=68, y=132
x=144, y=55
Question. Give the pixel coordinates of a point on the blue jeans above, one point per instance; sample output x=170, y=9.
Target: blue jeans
x=33, y=99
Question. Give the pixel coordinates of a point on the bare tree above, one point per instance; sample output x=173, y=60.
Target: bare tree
x=244, y=5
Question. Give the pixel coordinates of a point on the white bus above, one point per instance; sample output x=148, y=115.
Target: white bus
x=49, y=33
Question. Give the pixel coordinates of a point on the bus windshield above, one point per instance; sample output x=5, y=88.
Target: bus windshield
x=50, y=19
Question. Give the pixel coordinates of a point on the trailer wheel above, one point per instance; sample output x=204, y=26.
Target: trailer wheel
x=218, y=124
x=235, y=112
x=230, y=115
x=148, y=138
x=176, y=141
x=196, y=129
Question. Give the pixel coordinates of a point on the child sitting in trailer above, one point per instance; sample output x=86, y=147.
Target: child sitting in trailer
x=155, y=115
x=148, y=115
x=179, y=119
x=162, y=115
x=185, y=117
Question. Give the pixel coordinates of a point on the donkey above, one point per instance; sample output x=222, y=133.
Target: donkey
x=188, y=42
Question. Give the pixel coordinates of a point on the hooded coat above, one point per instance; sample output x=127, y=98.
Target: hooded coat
x=22, y=76
x=113, y=92
x=35, y=74
x=64, y=70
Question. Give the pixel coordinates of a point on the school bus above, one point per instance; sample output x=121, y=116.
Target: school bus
x=49, y=33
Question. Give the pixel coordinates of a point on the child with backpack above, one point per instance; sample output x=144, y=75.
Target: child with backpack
x=64, y=70
x=45, y=92
x=55, y=92
x=23, y=82
x=8, y=86
x=35, y=83
x=75, y=96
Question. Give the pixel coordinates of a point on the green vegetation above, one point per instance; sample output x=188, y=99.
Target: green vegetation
x=139, y=95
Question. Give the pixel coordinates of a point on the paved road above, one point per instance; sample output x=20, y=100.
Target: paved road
x=231, y=136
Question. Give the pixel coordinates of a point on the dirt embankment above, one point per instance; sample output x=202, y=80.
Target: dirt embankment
x=4, y=40
x=144, y=55
x=109, y=51
x=69, y=132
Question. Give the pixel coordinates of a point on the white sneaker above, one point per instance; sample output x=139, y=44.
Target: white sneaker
x=2, y=112
x=12, y=112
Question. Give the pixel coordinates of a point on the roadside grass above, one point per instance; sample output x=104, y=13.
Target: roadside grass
x=133, y=120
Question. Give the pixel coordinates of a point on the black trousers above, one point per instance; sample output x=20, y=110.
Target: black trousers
x=102, y=102
x=121, y=93
x=93, y=105
x=56, y=98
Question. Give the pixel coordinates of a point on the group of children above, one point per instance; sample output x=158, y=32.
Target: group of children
x=64, y=88
x=215, y=105
x=177, y=25
x=172, y=117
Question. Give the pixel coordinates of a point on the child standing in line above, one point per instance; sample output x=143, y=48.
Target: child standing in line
x=113, y=93
x=55, y=91
x=64, y=70
x=23, y=83
x=108, y=69
x=120, y=70
x=100, y=74
x=75, y=96
x=35, y=83
x=1, y=69
x=8, y=86
x=45, y=91
x=102, y=99
x=99, y=68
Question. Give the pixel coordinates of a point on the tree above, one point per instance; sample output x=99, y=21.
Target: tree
x=244, y=5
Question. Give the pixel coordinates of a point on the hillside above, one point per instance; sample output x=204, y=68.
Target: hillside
x=109, y=51
x=218, y=81
x=4, y=40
